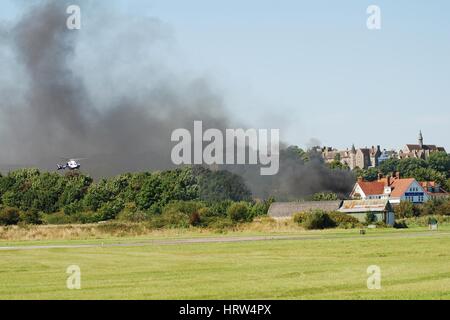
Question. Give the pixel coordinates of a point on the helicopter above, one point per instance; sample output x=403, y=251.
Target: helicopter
x=71, y=164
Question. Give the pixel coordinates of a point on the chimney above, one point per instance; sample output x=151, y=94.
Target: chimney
x=397, y=175
x=388, y=180
x=380, y=176
x=360, y=179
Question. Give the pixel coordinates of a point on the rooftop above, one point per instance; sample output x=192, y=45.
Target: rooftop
x=287, y=209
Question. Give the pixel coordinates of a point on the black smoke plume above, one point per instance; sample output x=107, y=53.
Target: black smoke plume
x=112, y=92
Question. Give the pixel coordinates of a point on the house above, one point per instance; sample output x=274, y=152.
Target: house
x=359, y=209
x=362, y=158
x=434, y=190
x=280, y=210
x=386, y=155
x=394, y=189
x=420, y=150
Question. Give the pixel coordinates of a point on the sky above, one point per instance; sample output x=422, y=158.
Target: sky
x=312, y=68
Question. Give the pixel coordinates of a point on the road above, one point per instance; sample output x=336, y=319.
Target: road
x=226, y=240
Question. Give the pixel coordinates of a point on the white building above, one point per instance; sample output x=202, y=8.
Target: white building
x=394, y=189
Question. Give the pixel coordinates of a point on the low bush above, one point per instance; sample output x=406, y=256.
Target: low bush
x=371, y=217
x=239, y=212
x=400, y=224
x=343, y=220
x=9, y=216
x=220, y=224
x=170, y=219
x=194, y=219
x=423, y=221
x=318, y=220
x=406, y=209
x=133, y=216
x=57, y=218
x=30, y=217
x=299, y=217
x=329, y=220
x=219, y=208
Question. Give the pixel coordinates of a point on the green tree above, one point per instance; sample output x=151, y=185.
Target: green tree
x=407, y=166
x=370, y=174
x=406, y=209
x=324, y=196
x=221, y=185
x=440, y=161
x=337, y=165
x=389, y=166
x=428, y=174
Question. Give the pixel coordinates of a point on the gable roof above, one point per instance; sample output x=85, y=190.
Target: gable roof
x=372, y=205
x=400, y=186
x=437, y=189
x=371, y=188
x=287, y=209
x=424, y=147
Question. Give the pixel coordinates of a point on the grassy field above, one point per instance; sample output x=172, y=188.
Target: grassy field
x=327, y=264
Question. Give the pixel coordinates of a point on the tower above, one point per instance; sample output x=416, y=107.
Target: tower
x=353, y=157
x=420, y=139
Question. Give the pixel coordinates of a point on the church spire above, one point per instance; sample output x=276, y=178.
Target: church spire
x=420, y=139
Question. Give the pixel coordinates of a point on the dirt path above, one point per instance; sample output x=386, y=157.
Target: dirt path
x=226, y=240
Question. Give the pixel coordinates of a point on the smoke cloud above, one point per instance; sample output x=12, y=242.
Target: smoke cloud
x=112, y=92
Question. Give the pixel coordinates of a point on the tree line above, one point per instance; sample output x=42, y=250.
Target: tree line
x=33, y=196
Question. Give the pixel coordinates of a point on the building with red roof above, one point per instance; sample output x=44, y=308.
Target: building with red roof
x=394, y=188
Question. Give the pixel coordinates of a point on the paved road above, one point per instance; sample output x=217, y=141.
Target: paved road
x=227, y=240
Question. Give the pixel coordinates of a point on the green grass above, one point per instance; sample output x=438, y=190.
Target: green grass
x=331, y=266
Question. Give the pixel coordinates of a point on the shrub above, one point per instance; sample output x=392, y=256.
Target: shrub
x=110, y=210
x=401, y=224
x=424, y=220
x=318, y=220
x=194, y=219
x=371, y=217
x=205, y=212
x=31, y=217
x=87, y=217
x=343, y=220
x=9, y=216
x=56, y=218
x=186, y=207
x=238, y=212
x=406, y=209
x=300, y=217
x=170, y=220
x=132, y=216
x=220, y=224
x=219, y=208
x=73, y=208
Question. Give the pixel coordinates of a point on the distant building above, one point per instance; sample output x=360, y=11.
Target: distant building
x=386, y=155
x=282, y=210
x=420, y=150
x=362, y=158
x=393, y=189
x=359, y=209
x=434, y=190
